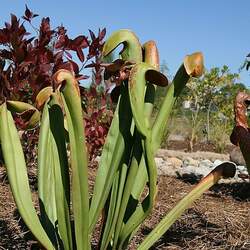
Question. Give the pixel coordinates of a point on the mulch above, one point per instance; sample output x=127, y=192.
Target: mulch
x=220, y=219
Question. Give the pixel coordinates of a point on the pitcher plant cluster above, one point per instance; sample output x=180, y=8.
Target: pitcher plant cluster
x=126, y=183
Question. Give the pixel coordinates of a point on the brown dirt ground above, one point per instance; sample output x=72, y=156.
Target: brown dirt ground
x=218, y=220
x=198, y=146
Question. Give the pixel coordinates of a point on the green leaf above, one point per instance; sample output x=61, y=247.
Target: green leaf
x=226, y=169
x=118, y=144
x=23, y=108
x=53, y=179
x=18, y=178
x=46, y=177
x=78, y=156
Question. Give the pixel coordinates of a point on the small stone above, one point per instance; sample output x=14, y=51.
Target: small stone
x=165, y=168
x=245, y=172
x=205, y=164
x=174, y=162
x=217, y=163
x=188, y=161
x=241, y=168
x=202, y=171
x=161, y=165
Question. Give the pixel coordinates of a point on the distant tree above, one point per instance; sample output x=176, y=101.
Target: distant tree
x=214, y=91
x=164, y=68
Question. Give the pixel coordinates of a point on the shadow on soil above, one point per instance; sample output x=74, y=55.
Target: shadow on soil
x=239, y=191
x=9, y=238
x=187, y=229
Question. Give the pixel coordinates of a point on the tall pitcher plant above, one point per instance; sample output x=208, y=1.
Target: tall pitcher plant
x=68, y=216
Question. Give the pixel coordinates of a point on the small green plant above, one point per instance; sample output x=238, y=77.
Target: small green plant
x=67, y=216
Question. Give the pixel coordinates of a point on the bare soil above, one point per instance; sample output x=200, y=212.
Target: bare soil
x=198, y=146
x=218, y=220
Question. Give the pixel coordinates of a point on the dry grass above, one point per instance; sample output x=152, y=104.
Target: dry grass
x=219, y=220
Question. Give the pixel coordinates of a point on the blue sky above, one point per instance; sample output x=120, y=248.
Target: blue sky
x=218, y=28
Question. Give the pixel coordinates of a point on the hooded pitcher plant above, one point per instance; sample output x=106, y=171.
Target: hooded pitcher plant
x=53, y=231
x=241, y=133
x=67, y=219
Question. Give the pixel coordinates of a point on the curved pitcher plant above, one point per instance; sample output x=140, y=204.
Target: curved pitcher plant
x=68, y=215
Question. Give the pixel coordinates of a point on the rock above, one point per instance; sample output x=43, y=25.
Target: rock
x=188, y=161
x=202, y=171
x=164, y=167
x=161, y=165
x=192, y=173
x=192, y=169
x=199, y=155
x=206, y=164
x=174, y=162
x=217, y=163
x=241, y=168
x=187, y=170
x=237, y=157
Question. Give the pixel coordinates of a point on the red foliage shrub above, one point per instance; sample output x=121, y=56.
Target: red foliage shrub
x=28, y=62
x=98, y=117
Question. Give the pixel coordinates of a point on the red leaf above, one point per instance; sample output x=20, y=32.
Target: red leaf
x=80, y=54
x=3, y=36
x=80, y=42
x=92, y=35
x=45, y=25
x=14, y=21
x=28, y=13
x=65, y=65
x=100, y=130
x=61, y=31
x=82, y=77
x=102, y=34
x=74, y=66
x=62, y=41
x=5, y=54
x=58, y=56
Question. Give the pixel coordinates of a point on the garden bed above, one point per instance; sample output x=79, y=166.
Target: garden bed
x=219, y=220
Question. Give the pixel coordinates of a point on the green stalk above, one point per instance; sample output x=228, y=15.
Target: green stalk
x=137, y=86
x=18, y=178
x=61, y=171
x=173, y=91
x=46, y=177
x=53, y=175
x=190, y=66
x=226, y=170
x=78, y=157
x=119, y=135
x=114, y=207
x=118, y=141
